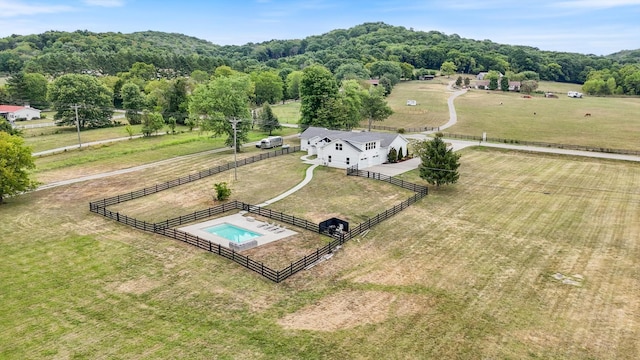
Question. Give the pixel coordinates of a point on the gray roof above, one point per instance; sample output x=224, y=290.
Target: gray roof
x=350, y=136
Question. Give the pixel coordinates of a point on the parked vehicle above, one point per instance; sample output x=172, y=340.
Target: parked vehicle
x=271, y=142
x=574, y=94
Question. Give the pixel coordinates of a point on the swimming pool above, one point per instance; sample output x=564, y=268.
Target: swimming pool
x=231, y=232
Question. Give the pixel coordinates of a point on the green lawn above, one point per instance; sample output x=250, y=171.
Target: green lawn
x=470, y=271
x=288, y=113
x=509, y=115
x=464, y=273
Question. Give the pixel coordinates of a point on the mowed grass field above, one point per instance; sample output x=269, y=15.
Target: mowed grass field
x=528, y=256
x=466, y=272
x=613, y=122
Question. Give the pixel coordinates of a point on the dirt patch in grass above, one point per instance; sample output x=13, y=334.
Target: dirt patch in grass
x=348, y=309
x=136, y=286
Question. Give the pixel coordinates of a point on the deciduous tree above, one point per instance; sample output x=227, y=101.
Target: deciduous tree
x=15, y=163
x=447, y=68
x=223, y=99
x=351, y=97
x=318, y=92
x=133, y=101
x=268, y=87
x=93, y=98
x=374, y=106
x=293, y=85
x=439, y=165
x=151, y=123
x=528, y=86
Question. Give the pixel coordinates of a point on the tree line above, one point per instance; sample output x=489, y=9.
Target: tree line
x=342, y=51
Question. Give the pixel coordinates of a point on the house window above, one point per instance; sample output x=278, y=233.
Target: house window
x=338, y=146
x=347, y=161
x=329, y=158
x=370, y=145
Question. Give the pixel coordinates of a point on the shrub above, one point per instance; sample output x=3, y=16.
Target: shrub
x=222, y=191
x=401, y=131
x=393, y=155
x=129, y=130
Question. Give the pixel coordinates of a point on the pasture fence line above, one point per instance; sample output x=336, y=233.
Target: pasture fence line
x=167, y=227
x=543, y=144
x=238, y=205
x=191, y=177
x=408, y=130
x=353, y=171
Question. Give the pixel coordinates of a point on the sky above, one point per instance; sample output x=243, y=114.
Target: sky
x=599, y=27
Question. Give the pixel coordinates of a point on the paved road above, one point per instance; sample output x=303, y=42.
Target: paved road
x=401, y=167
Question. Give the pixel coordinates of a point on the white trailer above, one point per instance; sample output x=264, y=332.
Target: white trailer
x=574, y=94
x=271, y=142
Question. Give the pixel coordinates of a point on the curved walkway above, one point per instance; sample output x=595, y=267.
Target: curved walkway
x=307, y=178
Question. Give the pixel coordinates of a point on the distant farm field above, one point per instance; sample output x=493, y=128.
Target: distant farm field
x=612, y=124
x=431, y=104
x=288, y=113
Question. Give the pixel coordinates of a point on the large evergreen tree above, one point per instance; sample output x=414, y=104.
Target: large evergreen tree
x=439, y=165
x=28, y=88
x=268, y=120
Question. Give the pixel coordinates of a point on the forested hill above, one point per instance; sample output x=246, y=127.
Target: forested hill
x=54, y=53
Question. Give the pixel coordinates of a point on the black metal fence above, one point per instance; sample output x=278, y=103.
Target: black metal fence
x=353, y=171
x=191, y=177
x=544, y=144
x=167, y=227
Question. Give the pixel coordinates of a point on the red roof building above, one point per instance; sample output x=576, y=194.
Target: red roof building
x=14, y=112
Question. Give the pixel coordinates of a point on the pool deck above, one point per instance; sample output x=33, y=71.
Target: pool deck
x=245, y=221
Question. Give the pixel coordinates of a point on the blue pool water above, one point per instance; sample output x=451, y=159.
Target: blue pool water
x=231, y=232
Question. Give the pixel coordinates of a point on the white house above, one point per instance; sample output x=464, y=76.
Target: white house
x=343, y=149
x=13, y=112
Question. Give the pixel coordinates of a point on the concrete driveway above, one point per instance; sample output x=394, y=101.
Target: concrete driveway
x=396, y=168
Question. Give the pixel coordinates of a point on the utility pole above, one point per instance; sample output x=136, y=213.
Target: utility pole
x=76, y=106
x=234, y=122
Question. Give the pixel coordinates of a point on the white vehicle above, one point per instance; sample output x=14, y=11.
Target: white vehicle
x=270, y=142
x=574, y=94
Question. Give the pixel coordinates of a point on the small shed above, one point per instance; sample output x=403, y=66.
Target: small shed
x=334, y=226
